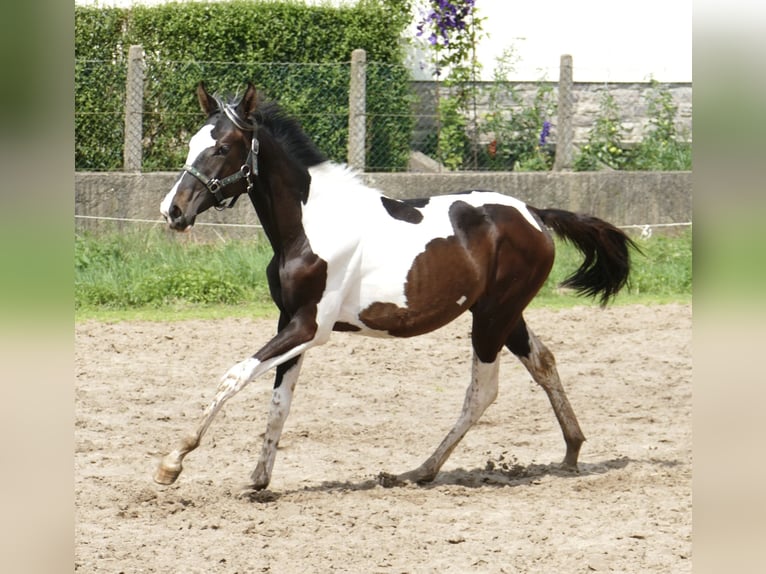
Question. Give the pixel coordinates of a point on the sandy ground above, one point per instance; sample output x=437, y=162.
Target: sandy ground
x=364, y=406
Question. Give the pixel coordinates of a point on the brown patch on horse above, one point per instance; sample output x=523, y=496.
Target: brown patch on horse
x=523, y=259
x=402, y=211
x=444, y=280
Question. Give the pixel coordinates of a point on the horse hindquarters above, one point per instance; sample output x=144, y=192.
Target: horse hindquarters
x=603, y=272
x=515, y=261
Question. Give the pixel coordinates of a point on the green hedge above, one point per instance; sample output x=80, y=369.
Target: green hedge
x=299, y=55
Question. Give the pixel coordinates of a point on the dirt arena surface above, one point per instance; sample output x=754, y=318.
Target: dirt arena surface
x=363, y=406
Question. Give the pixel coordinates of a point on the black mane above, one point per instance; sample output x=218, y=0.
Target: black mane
x=287, y=131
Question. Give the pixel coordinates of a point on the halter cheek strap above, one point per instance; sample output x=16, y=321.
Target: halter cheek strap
x=214, y=185
x=247, y=171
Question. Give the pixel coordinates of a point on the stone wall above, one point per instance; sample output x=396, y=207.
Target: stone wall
x=104, y=200
x=630, y=99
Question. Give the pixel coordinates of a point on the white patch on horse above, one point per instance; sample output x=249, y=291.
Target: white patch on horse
x=199, y=142
x=461, y=300
x=373, y=254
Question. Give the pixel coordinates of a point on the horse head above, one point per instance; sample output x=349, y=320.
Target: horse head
x=221, y=163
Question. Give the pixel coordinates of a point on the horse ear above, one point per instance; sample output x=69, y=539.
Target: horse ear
x=249, y=101
x=207, y=102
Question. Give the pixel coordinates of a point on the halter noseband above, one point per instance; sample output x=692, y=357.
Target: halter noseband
x=246, y=172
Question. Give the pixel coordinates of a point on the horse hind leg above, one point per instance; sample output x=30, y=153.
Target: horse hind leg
x=481, y=393
x=541, y=364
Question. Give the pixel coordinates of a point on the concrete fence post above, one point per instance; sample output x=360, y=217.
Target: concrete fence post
x=565, y=128
x=134, y=104
x=357, y=106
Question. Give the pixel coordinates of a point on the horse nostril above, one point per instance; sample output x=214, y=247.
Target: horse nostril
x=175, y=212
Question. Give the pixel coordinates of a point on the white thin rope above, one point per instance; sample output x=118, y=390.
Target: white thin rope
x=643, y=225
x=646, y=228
x=135, y=220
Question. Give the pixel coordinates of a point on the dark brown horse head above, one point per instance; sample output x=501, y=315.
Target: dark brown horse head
x=221, y=162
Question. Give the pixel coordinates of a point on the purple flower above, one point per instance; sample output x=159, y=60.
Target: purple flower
x=444, y=18
x=545, y=132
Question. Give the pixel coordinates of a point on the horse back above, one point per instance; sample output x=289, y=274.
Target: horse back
x=409, y=267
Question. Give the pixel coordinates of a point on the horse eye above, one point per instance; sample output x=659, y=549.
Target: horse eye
x=222, y=150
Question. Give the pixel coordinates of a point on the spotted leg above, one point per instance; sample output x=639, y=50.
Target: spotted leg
x=480, y=394
x=289, y=343
x=541, y=364
x=281, y=398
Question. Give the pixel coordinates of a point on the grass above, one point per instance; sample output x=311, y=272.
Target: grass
x=154, y=275
x=153, y=272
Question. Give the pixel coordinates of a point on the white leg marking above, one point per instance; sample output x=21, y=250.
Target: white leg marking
x=480, y=394
x=233, y=381
x=281, y=399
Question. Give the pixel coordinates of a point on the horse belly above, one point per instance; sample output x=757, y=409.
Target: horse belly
x=439, y=284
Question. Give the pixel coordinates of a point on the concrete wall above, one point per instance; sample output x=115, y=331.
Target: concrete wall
x=624, y=198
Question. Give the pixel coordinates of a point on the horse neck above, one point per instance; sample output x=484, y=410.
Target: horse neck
x=278, y=195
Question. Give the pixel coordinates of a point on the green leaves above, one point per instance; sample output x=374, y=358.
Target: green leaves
x=604, y=147
x=661, y=148
x=297, y=54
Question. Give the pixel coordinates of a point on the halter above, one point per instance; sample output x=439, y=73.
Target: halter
x=214, y=185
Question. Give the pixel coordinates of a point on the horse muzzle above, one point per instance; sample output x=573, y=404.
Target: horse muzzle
x=177, y=220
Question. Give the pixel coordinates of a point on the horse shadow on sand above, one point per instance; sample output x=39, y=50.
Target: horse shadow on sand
x=495, y=474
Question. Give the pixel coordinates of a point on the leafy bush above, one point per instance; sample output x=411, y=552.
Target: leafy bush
x=227, y=44
x=452, y=29
x=100, y=75
x=519, y=131
x=661, y=148
x=604, y=147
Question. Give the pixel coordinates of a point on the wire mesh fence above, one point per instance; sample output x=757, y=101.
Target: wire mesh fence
x=138, y=114
x=99, y=111
x=317, y=95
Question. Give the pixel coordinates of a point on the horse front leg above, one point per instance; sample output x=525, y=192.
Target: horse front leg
x=281, y=398
x=232, y=382
x=289, y=343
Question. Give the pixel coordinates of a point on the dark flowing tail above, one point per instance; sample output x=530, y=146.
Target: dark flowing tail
x=605, y=247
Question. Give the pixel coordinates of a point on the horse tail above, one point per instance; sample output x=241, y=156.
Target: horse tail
x=606, y=266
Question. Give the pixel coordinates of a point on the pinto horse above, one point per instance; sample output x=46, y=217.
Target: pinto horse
x=348, y=258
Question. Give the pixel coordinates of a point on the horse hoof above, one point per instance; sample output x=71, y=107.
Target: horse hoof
x=255, y=493
x=167, y=473
x=387, y=480
x=570, y=467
